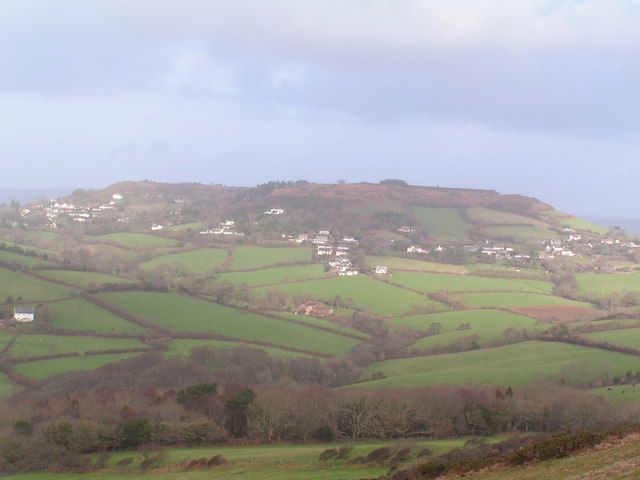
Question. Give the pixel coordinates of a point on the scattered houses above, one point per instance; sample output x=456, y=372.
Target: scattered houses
x=406, y=229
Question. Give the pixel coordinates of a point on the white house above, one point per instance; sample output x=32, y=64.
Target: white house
x=117, y=196
x=323, y=232
x=406, y=229
x=414, y=249
x=155, y=227
x=24, y=315
x=382, y=270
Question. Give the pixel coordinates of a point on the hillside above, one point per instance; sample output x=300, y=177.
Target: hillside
x=302, y=313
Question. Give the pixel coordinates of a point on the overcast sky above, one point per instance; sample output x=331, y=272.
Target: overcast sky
x=522, y=96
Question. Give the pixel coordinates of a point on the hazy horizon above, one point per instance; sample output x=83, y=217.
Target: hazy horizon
x=535, y=97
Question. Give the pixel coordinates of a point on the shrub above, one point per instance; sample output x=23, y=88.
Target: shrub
x=328, y=454
x=556, y=446
x=323, y=434
x=23, y=427
x=153, y=460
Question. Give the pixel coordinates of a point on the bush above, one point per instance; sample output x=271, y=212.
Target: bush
x=556, y=446
x=23, y=427
x=323, y=434
x=200, y=434
x=153, y=460
x=328, y=454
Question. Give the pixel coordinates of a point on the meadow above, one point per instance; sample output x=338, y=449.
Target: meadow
x=513, y=365
x=320, y=323
x=83, y=279
x=36, y=345
x=603, y=284
x=488, y=216
x=618, y=393
x=431, y=282
x=441, y=222
x=183, y=347
x=200, y=261
x=575, y=222
x=41, y=369
x=179, y=313
x=247, y=257
x=80, y=315
x=628, y=337
x=515, y=300
x=27, y=261
x=134, y=240
x=365, y=292
x=275, y=275
x=519, y=233
x=410, y=264
x=30, y=289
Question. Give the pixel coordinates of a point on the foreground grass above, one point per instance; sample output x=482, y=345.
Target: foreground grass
x=80, y=315
x=380, y=297
x=179, y=313
x=41, y=369
x=29, y=289
x=199, y=261
x=513, y=365
x=270, y=462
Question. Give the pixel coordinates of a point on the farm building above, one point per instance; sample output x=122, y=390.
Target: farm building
x=382, y=270
x=24, y=315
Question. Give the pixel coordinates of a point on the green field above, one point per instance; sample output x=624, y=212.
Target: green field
x=519, y=234
x=364, y=291
x=274, y=275
x=441, y=222
x=196, y=261
x=7, y=387
x=489, y=325
x=515, y=300
x=80, y=315
x=618, y=393
x=41, y=369
x=564, y=219
x=266, y=462
x=179, y=313
x=409, y=264
x=514, y=365
x=601, y=284
x=134, y=240
x=248, y=257
x=628, y=337
x=431, y=282
x=11, y=258
x=36, y=345
x=83, y=279
x=321, y=323
x=183, y=347
x=30, y=289
x=488, y=216
x=183, y=227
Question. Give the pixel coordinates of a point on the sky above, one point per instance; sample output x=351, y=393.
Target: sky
x=536, y=97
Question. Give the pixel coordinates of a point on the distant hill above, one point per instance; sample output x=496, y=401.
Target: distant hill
x=29, y=195
x=631, y=225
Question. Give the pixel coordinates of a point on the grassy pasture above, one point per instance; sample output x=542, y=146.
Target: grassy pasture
x=514, y=365
x=184, y=346
x=519, y=233
x=7, y=387
x=82, y=316
x=575, y=222
x=183, y=227
x=488, y=216
x=488, y=324
x=17, y=284
x=618, y=393
x=267, y=462
x=602, y=284
x=83, y=279
x=274, y=275
x=322, y=323
x=247, y=257
x=36, y=345
x=179, y=313
x=200, y=261
x=441, y=222
x=41, y=369
x=24, y=260
x=515, y=300
x=628, y=337
x=380, y=297
x=431, y=282
x=134, y=240
x=410, y=264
